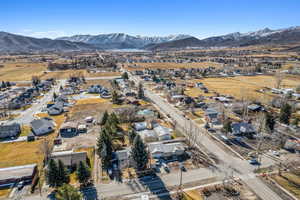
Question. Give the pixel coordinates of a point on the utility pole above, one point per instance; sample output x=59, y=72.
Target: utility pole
x=179, y=191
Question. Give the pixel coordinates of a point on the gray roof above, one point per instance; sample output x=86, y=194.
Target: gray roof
x=17, y=172
x=165, y=148
x=242, y=128
x=44, y=123
x=11, y=130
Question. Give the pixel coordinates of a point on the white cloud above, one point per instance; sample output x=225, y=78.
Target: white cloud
x=42, y=34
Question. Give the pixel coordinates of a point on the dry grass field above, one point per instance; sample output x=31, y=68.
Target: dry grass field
x=290, y=182
x=21, y=71
x=269, y=81
x=89, y=107
x=4, y=193
x=173, y=65
x=246, y=86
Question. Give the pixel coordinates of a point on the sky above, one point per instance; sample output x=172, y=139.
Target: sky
x=199, y=18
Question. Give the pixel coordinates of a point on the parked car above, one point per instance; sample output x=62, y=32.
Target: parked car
x=254, y=162
x=166, y=167
x=20, y=185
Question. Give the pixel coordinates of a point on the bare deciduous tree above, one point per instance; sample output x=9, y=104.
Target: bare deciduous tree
x=45, y=149
x=278, y=79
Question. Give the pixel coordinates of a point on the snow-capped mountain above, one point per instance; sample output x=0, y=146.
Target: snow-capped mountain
x=261, y=37
x=121, y=40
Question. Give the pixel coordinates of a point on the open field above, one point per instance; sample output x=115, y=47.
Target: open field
x=89, y=107
x=20, y=153
x=21, y=71
x=269, y=81
x=173, y=65
x=246, y=86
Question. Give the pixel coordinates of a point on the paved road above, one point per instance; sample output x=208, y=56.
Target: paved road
x=241, y=168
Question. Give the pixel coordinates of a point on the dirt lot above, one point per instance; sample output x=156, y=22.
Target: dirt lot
x=173, y=65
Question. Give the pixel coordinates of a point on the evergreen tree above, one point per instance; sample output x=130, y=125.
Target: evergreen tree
x=3, y=84
x=115, y=97
x=54, y=96
x=132, y=135
x=141, y=91
x=8, y=84
x=104, y=148
x=285, y=113
x=104, y=118
x=295, y=122
x=125, y=76
x=68, y=192
x=52, y=173
x=270, y=121
x=227, y=127
x=83, y=173
x=62, y=175
x=139, y=153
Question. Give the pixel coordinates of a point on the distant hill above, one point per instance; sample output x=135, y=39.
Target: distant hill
x=11, y=43
x=262, y=37
x=121, y=40
x=177, y=44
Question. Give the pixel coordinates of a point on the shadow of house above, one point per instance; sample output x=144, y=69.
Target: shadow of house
x=155, y=185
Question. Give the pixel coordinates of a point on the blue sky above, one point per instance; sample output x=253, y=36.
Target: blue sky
x=200, y=18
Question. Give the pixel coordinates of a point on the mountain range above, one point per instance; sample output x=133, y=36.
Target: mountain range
x=262, y=37
x=122, y=40
x=12, y=43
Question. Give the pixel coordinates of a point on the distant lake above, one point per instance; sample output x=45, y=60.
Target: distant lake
x=127, y=50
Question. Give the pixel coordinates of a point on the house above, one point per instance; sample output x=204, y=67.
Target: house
x=95, y=89
x=69, y=158
x=160, y=150
x=163, y=133
x=148, y=135
x=11, y=175
x=292, y=144
x=56, y=109
x=42, y=126
x=212, y=116
x=243, y=129
x=10, y=131
x=139, y=126
x=68, y=129
x=123, y=158
x=255, y=108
